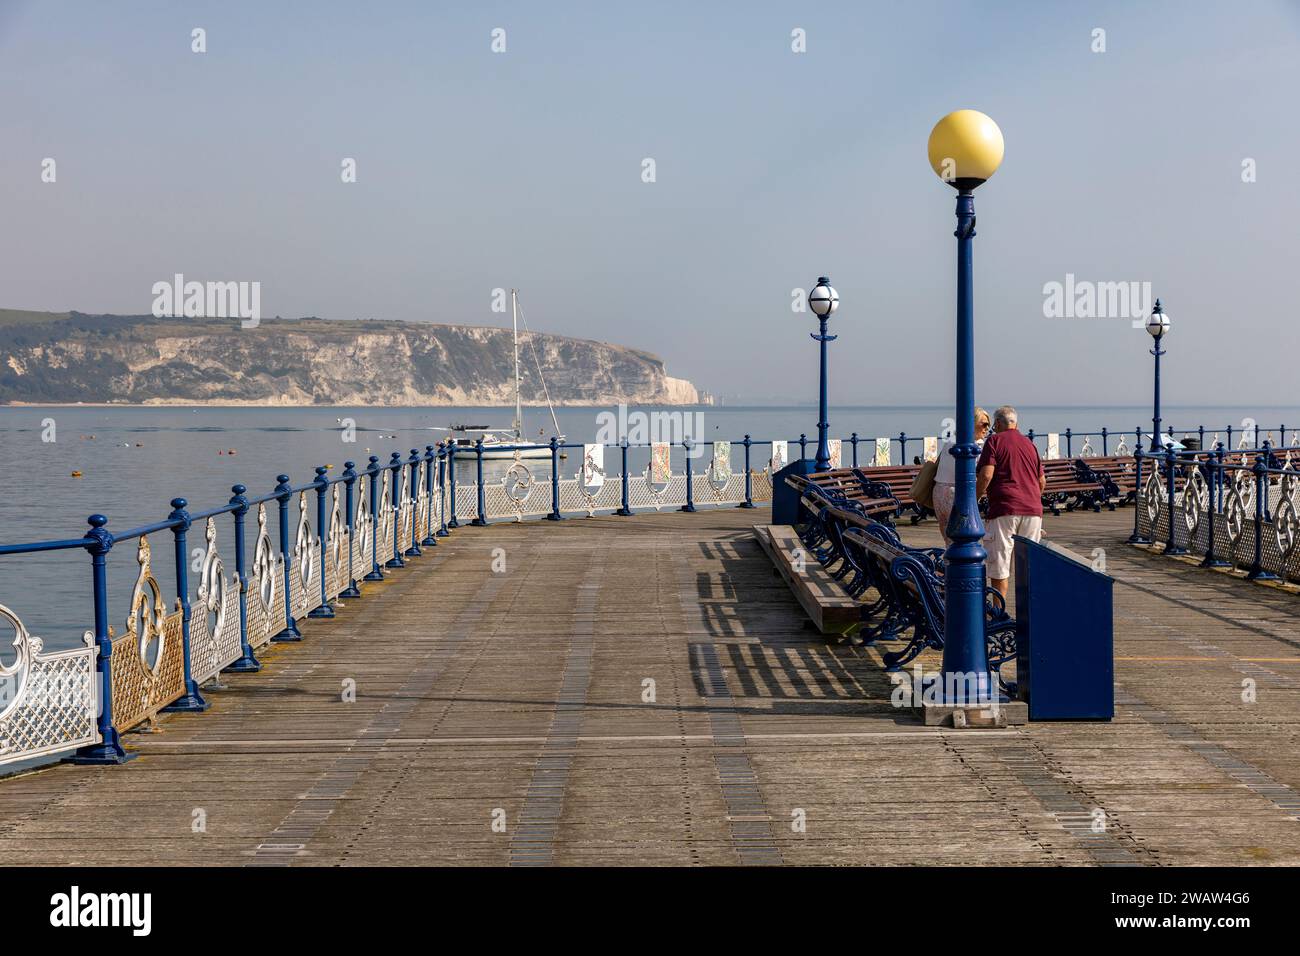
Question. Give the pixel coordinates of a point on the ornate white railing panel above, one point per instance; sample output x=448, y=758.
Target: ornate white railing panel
x=214, y=617
x=523, y=493
x=718, y=489
x=575, y=497
x=642, y=493
x=405, y=513
x=144, y=684
x=422, y=515
x=265, y=595
x=304, y=579
x=338, y=546
x=438, y=504
x=48, y=701
x=467, y=501
x=386, y=520
x=362, y=528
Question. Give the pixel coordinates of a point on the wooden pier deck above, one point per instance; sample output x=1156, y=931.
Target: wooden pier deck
x=509, y=718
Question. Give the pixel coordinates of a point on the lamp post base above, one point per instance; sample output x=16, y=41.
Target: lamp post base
x=996, y=713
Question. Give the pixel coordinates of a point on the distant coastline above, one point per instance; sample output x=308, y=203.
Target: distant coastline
x=142, y=360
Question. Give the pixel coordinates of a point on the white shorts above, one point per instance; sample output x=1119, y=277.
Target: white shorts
x=998, y=543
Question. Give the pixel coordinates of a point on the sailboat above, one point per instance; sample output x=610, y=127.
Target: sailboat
x=502, y=443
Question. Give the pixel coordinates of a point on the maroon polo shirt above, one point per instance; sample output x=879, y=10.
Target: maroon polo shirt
x=1014, y=489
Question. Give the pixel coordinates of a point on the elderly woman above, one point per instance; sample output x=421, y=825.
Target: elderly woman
x=945, y=477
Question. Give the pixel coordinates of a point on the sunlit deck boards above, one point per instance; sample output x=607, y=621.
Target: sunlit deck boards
x=523, y=692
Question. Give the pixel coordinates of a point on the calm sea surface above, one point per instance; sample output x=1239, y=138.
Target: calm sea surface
x=133, y=461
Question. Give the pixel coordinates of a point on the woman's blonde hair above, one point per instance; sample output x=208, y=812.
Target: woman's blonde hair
x=981, y=415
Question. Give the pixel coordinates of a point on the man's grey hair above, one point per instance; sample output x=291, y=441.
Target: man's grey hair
x=1005, y=416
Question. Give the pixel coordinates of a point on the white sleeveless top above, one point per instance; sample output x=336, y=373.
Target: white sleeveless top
x=947, y=471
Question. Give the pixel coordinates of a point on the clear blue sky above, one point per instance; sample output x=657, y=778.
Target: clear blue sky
x=478, y=170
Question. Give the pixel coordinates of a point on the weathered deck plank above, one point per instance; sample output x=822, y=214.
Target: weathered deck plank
x=525, y=692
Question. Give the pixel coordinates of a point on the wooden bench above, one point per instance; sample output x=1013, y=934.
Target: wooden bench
x=831, y=609
x=1071, y=483
x=1118, y=473
x=821, y=536
x=910, y=606
x=847, y=484
x=897, y=590
x=896, y=481
x=827, y=512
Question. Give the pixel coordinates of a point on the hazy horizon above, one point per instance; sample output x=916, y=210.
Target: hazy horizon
x=479, y=170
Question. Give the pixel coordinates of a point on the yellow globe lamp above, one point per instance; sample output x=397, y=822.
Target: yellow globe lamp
x=965, y=148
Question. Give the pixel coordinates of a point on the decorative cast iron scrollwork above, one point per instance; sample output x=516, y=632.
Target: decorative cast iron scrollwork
x=1153, y=498
x=334, y=542
x=13, y=677
x=517, y=482
x=304, y=548
x=1196, y=499
x=1286, y=528
x=264, y=562
x=144, y=619
x=212, y=582
x=1240, y=495
x=361, y=523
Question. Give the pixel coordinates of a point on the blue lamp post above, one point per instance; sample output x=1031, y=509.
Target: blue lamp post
x=1158, y=326
x=823, y=300
x=965, y=149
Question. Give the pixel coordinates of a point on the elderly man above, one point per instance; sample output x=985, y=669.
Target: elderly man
x=1011, y=473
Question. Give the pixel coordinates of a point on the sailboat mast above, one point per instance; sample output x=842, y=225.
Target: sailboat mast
x=519, y=410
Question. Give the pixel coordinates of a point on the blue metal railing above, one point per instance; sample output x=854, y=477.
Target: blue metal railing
x=1206, y=499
